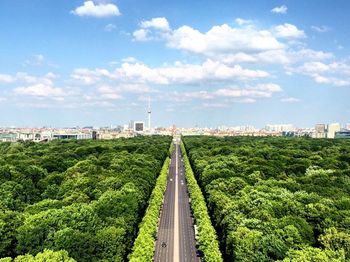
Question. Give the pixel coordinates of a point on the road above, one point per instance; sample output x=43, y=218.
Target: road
x=176, y=223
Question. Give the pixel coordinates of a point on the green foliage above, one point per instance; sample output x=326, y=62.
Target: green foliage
x=334, y=240
x=9, y=222
x=46, y=256
x=207, y=238
x=308, y=254
x=274, y=199
x=84, y=197
x=144, y=245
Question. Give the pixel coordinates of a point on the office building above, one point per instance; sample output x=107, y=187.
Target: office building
x=331, y=129
x=139, y=126
x=342, y=134
x=320, y=131
x=279, y=127
x=72, y=136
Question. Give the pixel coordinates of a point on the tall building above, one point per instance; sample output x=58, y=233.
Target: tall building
x=94, y=135
x=320, y=131
x=279, y=127
x=139, y=127
x=149, y=113
x=347, y=126
x=331, y=129
x=320, y=128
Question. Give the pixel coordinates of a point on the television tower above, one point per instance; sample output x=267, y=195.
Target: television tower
x=149, y=113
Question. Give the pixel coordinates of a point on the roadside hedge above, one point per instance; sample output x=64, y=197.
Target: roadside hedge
x=144, y=245
x=207, y=239
x=46, y=255
x=171, y=149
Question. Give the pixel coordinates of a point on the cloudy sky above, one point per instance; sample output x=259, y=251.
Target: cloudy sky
x=205, y=63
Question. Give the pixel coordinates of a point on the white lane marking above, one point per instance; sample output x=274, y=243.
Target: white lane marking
x=176, y=215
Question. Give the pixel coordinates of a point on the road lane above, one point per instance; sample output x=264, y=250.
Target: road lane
x=175, y=227
x=166, y=222
x=188, y=253
x=176, y=254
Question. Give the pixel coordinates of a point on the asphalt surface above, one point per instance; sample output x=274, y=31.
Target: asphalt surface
x=185, y=250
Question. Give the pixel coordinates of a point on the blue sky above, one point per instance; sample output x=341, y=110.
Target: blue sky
x=205, y=63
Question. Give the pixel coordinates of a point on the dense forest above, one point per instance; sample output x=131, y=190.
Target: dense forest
x=76, y=200
x=276, y=199
x=207, y=240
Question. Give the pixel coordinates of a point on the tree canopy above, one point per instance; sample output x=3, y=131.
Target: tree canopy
x=80, y=198
x=274, y=199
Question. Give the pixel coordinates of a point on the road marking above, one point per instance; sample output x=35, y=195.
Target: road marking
x=176, y=215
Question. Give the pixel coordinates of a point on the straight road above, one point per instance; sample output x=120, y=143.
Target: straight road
x=165, y=245
x=175, y=238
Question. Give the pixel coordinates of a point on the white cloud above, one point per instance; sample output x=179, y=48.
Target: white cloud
x=290, y=100
x=109, y=93
x=282, y=56
x=6, y=78
x=245, y=44
x=51, y=75
x=241, y=21
x=86, y=76
x=40, y=90
x=265, y=57
x=110, y=27
x=160, y=23
x=134, y=88
x=130, y=59
x=89, y=8
x=141, y=35
x=340, y=67
x=246, y=100
x=123, y=88
x=319, y=67
x=179, y=73
x=22, y=77
x=222, y=40
x=260, y=90
x=155, y=29
x=112, y=96
x=331, y=80
x=215, y=105
x=279, y=9
x=35, y=60
x=230, y=45
x=90, y=77
x=309, y=54
x=197, y=95
x=140, y=74
x=224, y=96
x=288, y=31
x=335, y=73
x=320, y=29
x=314, y=67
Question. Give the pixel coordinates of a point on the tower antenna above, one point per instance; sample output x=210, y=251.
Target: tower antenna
x=149, y=113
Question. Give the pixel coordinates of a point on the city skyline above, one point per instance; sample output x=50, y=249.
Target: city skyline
x=82, y=63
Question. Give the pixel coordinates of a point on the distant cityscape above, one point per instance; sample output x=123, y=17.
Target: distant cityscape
x=137, y=128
